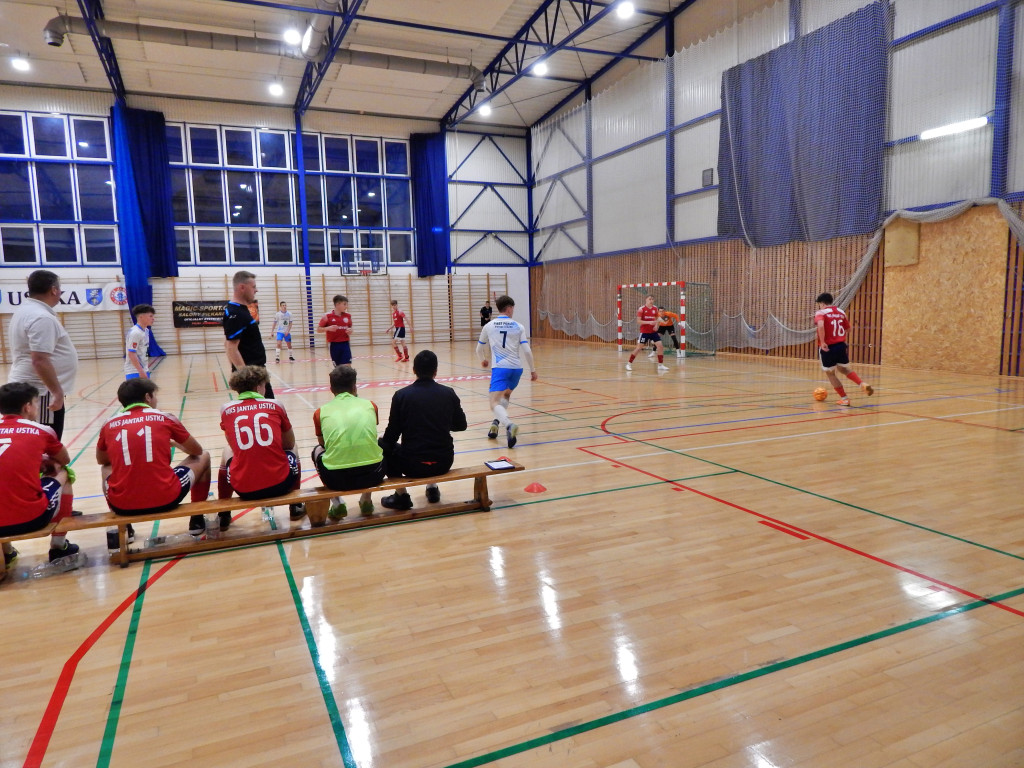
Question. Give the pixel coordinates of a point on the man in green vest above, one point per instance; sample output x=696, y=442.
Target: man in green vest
x=348, y=456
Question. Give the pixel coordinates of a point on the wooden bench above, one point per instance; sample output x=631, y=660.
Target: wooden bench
x=317, y=501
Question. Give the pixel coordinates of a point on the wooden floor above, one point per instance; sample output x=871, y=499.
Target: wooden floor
x=718, y=571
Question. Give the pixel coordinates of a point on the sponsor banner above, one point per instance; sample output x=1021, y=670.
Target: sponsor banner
x=77, y=297
x=374, y=384
x=198, y=314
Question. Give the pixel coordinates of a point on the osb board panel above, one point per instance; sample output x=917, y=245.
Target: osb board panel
x=946, y=312
x=902, y=243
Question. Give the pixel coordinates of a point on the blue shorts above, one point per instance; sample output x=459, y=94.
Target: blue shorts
x=651, y=337
x=284, y=336
x=129, y=376
x=505, y=378
x=341, y=353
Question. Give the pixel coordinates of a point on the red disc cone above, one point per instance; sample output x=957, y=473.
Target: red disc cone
x=535, y=488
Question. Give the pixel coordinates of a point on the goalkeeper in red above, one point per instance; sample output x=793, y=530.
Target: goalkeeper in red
x=648, y=315
x=833, y=325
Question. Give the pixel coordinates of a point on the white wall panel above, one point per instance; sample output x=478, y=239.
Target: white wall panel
x=472, y=157
x=940, y=170
x=560, y=143
x=629, y=199
x=697, y=216
x=696, y=150
x=913, y=15
x=564, y=243
x=495, y=249
x=93, y=103
x=475, y=206
x=818, y=13
x=1015, y=171
x=632, y=110
x=567, y=200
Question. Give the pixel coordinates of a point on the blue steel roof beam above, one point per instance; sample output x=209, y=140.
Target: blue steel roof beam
x=315, y=72
x=91, y=12
x=669, y=18
x=458, y=112
x=553, y=78
x=430, y=27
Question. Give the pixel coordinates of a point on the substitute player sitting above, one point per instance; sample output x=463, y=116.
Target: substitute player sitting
x=648, y=316
x=259, y=462
x=833, y=326
x=134, y=453
x=398, y=326
x=31, y=502
x=283, y=331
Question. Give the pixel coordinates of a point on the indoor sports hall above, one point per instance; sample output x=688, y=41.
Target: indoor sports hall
x=702, y=556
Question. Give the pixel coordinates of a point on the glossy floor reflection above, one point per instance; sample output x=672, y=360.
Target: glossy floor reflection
x=719, y=572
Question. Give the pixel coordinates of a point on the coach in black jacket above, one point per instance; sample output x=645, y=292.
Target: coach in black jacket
x=423, y=415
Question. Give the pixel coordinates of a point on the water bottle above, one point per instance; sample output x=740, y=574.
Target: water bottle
x=60, y=565
x=212, y=526
x=269, y=521
x=172, y=539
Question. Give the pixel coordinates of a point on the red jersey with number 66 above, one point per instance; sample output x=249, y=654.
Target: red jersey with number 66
x=22, y=445
x=835, y=322
x=138, y=442
x=254, y=428
x=648, y=318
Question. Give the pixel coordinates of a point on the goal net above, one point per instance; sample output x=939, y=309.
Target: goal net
x=687, y=304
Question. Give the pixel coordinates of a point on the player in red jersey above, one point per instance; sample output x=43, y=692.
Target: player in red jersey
x=648, y=315
x=398, y=326
x=134, y=453
x=259, y=461
x=833, y=326
x=337, y=324
x=31, y=502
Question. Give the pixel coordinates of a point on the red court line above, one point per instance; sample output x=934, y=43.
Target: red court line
x=87, y=426
x=784, y=530
x=812, y=535
x=947, y=421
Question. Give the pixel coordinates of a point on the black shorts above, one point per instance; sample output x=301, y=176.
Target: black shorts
x=289, y=484
x=341, y=353
x=51, y=490
x=185, y=476
x=651, y=337
x=837, y=354
x=350, y=478
x=397, y=464
x=399, y=333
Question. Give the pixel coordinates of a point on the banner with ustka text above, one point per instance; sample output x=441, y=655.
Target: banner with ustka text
x=77, y=297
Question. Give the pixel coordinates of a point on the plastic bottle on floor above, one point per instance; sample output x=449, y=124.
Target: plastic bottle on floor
x=269, y=521
x=60, y=565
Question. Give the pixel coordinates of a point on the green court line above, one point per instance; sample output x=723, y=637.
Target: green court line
x=717, y=685
x=117, y=699
x=321, y=676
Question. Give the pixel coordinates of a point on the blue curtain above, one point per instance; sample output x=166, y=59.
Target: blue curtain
x=142, y=181
x=801, y=149
x=430, y=202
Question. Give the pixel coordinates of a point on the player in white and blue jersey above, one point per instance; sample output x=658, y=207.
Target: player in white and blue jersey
x=509, y=347
x=283, y=331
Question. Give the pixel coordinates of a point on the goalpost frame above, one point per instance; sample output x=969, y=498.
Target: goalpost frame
x=682, y=309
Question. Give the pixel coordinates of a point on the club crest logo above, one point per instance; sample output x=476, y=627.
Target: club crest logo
x=94, y=296
x=119, y=295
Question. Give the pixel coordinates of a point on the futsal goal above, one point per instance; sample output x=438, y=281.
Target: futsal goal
x=695, y=327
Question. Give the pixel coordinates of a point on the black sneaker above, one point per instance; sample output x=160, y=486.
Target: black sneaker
x=433, y=494
x=492, y=432
x=399, y=501
x=296, y=511
x=130, y=533
x=197, y=525
x=513, y=432
x=10, y=557
x=68, y=550
x=225, y=520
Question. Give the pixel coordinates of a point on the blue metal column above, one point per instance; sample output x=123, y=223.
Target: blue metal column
x=795, y=18
x=670, y=134
x=300, y=164
x=1004, y=85
x=92, y=12
x=588, y=159
x=531, y=232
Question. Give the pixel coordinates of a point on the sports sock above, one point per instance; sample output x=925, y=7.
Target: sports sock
x=852, y=376
x=632, y=358
x=501, y=413
x=58, y=540
x=224, y=489
x=201, y=489
x=67, y=498
x=661, y=358
x=841, y=391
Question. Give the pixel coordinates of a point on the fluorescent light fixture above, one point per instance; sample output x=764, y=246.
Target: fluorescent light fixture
x=307, y=38
x=276, y=89
x=484, y=110
x=83, y=144
x=949, y=130
x=625, y=9
x=540, y=68
x=292, y=36
x=20, y=64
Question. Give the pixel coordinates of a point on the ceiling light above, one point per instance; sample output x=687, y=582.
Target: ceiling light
x=540, y=68
x=484, y=110
x=83, y=144
x=625, y=9
x=20, y=64
x=307, y=38
x=276, y=89
x=948, y=130
x=292, y=36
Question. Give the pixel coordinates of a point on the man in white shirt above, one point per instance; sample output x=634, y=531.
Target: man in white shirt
x=509, y=345
x=43, y=353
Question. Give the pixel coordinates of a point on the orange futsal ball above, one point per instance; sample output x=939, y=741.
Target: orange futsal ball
x=820, y=393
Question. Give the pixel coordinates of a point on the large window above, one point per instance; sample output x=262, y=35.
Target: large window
x=356, y=199
x=56, y=190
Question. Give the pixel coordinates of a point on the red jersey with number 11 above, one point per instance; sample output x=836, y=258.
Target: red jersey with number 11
x=254, y=428
x=138, y=442
x=836, y=324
